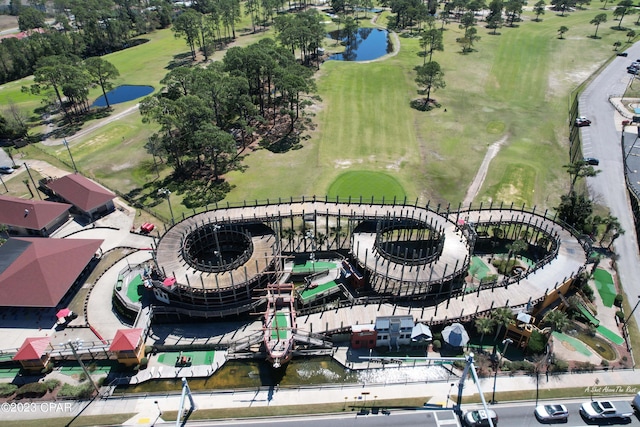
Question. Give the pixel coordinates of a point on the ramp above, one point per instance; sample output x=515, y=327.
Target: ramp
x=586, y=313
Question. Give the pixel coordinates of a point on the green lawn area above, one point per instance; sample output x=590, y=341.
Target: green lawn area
x=478, y=268
x=366, y=184
x=605, y=286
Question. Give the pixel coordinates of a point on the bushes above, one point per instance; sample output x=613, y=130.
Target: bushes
x=620, y=315
x=436, y=345
x=584, y=367
x=618, y=300
x=587, y=290
x=37, y=389
x=83, y=391
x=7, y=390
x=559, y=365
x=537, y=342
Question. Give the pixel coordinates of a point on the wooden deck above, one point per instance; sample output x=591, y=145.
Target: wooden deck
x=453, y=260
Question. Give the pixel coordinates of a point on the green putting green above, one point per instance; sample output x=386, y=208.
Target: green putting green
x=610, y=335
x=605, y=286
x=478, y=268
x=308, y=293
x=279, y=328
x=197, y=357
x=578, y=345
x=310, y=267
x=135, y=289
x=586, y=313
x=366, y=184
x=529, y=262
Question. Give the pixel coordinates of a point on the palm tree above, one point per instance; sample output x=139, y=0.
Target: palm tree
x=484, y=325
x=557, y=320
x=502, y=316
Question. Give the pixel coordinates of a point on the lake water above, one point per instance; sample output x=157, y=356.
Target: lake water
x=123, y=93
x=366, y=45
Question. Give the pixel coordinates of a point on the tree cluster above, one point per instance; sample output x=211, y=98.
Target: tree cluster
x=208, y=115
x=83, y=28
x=70, y=78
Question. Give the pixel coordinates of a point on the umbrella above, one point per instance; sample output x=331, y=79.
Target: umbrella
x=455, y=335
x=63, y=313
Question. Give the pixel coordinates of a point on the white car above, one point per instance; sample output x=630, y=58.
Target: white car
x=552, y=413
x=6, y=170
x=480, y=418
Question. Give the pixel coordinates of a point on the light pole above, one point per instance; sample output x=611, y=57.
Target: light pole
x=216, y=227
x=449, y=395
x=165, y=192
x=159, y=412
x=505, y=343
x=66, y=144
x=84, y=368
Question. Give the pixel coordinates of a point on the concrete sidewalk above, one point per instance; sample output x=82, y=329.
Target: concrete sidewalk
x=608, y=384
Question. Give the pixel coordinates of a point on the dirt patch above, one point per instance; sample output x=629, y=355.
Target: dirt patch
x=7, y=22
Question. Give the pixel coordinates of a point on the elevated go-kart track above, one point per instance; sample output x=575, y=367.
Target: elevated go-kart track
x=219, y=262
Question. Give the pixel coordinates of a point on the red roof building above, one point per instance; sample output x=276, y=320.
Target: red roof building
x=33, y=354
x=37, y=272
x=33, y=348
x=85, y=195
x=128, y=345
x=32, y=217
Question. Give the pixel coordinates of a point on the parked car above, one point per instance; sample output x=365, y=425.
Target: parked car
x=549, y=413
x=635, y=403
x=592, y=161
x=605, y=410
x=622, y=54
x=480, y=418
x=6, y=170
x=632, y=70
x=582, y=121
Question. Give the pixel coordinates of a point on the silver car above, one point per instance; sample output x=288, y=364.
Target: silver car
x=552, y=413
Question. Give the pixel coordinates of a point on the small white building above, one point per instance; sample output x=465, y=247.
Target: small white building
x=393, y=331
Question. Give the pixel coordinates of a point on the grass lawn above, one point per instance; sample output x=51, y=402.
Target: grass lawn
x=514, y=88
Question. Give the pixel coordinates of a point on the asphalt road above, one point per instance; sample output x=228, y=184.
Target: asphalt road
x=510, y=415
x=602, y=140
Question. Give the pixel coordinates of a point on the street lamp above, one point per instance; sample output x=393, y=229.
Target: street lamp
x=216, y=227
x=165, y=192
x=505, y=343
x=449, y=395
x=159, y=412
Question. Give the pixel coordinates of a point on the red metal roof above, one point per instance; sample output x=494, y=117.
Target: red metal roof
x=31, y=214
x=80, y=191
x=126, y=339
x=33, y=348
x=37, y=272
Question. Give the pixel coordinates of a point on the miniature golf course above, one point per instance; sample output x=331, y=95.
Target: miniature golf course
x=135, y=289
x=605, y=286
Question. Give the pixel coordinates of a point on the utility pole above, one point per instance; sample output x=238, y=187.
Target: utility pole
x=84, y=368
x=66, y=144
x=32, y=181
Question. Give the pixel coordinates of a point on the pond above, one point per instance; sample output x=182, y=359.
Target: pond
x=236, y=374
x=123, y=93
x=365, y=45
